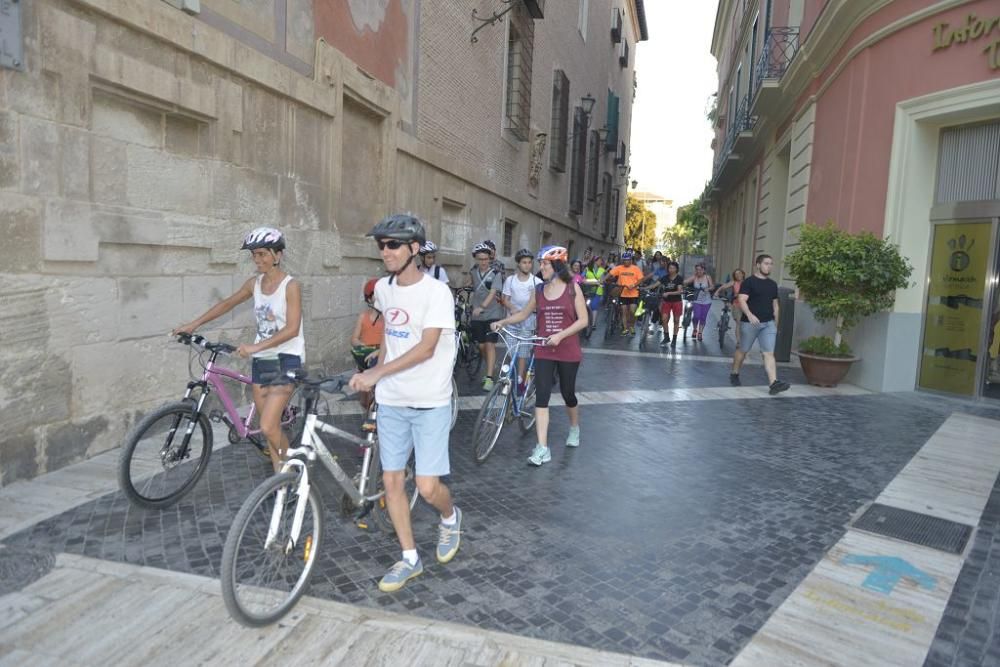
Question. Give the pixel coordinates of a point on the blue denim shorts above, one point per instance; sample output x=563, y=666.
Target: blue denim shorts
x=765, y=332
x=426, y=430
x=271, y=372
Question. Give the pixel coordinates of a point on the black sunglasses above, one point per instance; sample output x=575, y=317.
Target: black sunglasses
x=391, y=244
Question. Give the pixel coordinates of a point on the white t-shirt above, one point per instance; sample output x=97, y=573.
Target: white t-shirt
x=442, y=275
x=427, y=304
x=519, y=292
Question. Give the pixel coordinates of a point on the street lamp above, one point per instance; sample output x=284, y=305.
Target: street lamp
x=587, y=103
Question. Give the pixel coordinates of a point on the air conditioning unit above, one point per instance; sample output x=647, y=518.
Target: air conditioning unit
x=616, y=26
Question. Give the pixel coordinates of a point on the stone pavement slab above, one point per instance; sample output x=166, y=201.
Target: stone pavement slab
x=673, y=533
x=88, y=612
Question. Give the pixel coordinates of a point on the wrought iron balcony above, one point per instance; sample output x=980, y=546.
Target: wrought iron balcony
x=780, y=47
x=740, y=124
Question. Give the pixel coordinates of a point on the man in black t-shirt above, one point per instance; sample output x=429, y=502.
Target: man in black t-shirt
x=758, y=304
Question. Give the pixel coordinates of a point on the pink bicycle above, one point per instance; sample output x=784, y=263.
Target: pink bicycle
x=168, y=450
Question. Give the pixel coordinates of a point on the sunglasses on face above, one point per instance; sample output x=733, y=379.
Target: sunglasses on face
x=391, y=244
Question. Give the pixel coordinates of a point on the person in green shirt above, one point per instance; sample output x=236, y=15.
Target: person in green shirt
x=593, y=289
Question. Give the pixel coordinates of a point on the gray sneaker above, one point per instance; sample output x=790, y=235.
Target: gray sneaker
x=573, y=439
x=449, y=538
x=540, y=455
x=399, y=574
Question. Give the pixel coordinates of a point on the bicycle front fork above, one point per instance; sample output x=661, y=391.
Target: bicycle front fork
x=302, y=491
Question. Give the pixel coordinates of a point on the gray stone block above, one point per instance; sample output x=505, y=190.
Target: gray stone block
x=69, y=233
x=22, y=223
x=68, y=443
x=18, y=457
x=74, y=167
x=40, y=157
x=10, y=171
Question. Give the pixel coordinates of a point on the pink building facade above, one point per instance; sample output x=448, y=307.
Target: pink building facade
x=880, y=116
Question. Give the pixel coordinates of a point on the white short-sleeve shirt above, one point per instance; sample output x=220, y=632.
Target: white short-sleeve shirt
x=427, y=304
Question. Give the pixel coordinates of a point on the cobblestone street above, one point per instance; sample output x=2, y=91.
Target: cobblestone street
x=673, y=532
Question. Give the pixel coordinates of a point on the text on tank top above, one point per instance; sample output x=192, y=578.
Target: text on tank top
x=555, y=315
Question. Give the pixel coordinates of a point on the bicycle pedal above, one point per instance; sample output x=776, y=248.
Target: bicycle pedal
x=216, y=416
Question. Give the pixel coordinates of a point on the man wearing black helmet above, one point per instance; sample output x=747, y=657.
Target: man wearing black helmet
x=412, y=384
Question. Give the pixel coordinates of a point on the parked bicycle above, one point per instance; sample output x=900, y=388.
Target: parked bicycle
x=689, y=295
x=649, y=304
x=509, y=398
x=468, y=356
x=272, y=546
x=724, y=317
x=166, y=453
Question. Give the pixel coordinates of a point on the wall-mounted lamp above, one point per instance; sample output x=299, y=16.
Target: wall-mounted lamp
x=634, y=183
x=603, y=134
x=587, y=103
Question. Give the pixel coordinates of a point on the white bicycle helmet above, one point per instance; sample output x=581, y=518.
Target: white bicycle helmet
x=264, y=237
x=429, y=248
x=554, y=253
x=480, y=247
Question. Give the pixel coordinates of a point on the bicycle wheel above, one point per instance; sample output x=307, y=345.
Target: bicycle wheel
x=262, y=581
x=610, y=321
x=473, y=360
x=644, y=328
x=454, y=403
x=526, y=418
x=164, y=455
x=380, y=511
x=490, y=420
x=723, y=328
x=686, y=321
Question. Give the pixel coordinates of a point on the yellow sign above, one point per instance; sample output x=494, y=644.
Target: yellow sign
x=954, y=316
x=974, y=29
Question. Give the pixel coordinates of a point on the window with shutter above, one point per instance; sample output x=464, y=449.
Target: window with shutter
x=622, y=154
x=616, y=26
x=520, y=47
x=558, y=133
x=593, y=164
x=612, y=124
x=616, y=199
x=578, y=161
x=606, y=200
x=623, y=56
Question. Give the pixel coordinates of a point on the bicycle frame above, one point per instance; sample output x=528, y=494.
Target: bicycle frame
x=312, y=448
x=212, y=379
x=510, y=359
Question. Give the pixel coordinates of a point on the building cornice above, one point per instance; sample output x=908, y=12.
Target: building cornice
x=720, y=14
x=638, y=16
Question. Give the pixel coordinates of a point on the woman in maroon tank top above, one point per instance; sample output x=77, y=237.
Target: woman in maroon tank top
x=562, y=313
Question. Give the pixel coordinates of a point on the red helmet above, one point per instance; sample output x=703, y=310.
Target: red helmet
x=369, y=290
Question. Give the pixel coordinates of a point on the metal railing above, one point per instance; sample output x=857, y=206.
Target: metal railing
x=741, y=121
x=780, y=47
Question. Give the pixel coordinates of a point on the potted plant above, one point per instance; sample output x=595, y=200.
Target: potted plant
x=844, y=277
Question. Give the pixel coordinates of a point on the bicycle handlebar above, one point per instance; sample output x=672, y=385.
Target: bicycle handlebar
x=506, y=333
x=202, y=342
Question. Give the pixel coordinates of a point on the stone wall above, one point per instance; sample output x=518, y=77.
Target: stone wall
x=141, y=143
x=137, y=151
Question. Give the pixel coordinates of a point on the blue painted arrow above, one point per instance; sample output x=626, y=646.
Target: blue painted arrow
x=888, y=572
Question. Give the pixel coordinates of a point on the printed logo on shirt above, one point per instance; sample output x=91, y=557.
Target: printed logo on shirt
x=397, y=317
x=397, y=333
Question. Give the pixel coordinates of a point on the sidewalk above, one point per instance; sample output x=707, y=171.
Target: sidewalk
x=92, y=612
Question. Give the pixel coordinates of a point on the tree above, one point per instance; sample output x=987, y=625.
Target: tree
x=846, y=277
x=640, y=225
x=690, y=235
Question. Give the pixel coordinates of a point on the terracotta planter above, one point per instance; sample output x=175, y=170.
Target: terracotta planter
x=825, y=371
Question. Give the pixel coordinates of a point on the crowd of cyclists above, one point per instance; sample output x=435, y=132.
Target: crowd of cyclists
x=405, y=349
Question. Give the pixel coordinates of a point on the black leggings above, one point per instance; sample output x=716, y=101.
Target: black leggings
x=545, y=373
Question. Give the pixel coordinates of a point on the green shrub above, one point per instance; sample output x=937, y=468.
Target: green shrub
x=846, y=277
x=824, y=346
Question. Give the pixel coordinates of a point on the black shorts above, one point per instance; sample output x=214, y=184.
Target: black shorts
x=271, y=372
x=480, y=332
x=628, y=300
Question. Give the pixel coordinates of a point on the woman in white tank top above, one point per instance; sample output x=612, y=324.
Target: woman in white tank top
x=279, y=345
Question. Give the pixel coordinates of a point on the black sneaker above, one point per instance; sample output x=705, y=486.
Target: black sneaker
x=673, y=342
x=778, y=386
x=734, y=379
